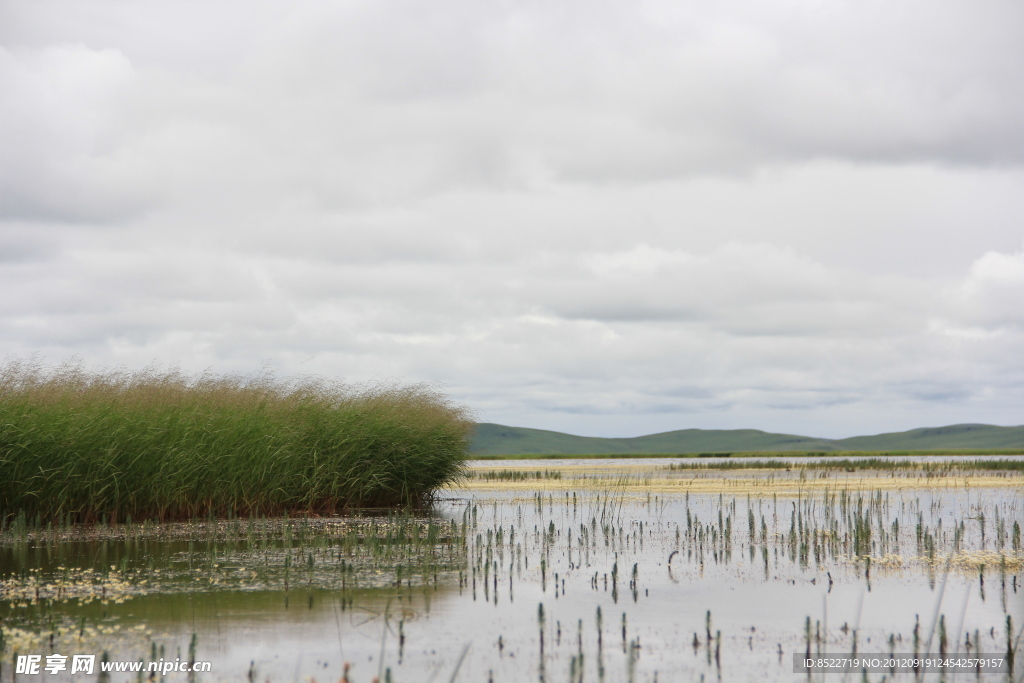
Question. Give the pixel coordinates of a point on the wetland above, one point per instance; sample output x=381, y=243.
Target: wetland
x=602, y=570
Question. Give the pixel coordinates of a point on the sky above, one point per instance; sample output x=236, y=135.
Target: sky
x=611, y=218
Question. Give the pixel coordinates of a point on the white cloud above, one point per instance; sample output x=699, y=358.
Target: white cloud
x=60, y=107
x=609, y=218
x=991, y=297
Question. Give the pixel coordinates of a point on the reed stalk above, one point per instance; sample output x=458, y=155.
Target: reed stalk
x=87, y=446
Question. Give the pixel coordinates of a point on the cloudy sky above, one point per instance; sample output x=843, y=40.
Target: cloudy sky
x=610, y=217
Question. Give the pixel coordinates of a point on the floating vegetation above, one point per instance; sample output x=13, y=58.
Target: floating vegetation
x=66, y=584
x=69, y=636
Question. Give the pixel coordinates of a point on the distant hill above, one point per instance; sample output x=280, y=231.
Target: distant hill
x=495, y=439
x=954, y=436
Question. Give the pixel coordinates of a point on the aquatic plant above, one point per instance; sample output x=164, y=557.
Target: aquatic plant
x=515, y=475
x=92, y=446
x=568, y=548
x=851, y=465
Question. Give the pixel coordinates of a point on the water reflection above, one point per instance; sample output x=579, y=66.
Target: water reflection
x=616, y=584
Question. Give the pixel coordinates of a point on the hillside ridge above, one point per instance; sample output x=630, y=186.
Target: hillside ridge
x=495, y=439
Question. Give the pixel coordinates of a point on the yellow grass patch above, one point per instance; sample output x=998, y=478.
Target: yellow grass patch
x=645, y=478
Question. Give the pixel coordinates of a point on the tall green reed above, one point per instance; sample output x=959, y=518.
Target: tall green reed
x=163, y=444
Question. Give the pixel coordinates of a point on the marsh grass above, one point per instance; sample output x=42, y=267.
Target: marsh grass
x=515, y=475
x=102, y=446
x=749, y=454
x=851, y=465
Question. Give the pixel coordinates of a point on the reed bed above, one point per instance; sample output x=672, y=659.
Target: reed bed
x=514, y=475
x=88, y=446
x=749, y=454
x=1002, y=465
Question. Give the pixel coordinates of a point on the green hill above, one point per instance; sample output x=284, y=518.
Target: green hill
x=718, y=440
x=970, y=436
x=495, y=439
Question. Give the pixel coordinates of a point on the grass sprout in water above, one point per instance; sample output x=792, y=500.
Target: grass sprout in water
x=609, y=573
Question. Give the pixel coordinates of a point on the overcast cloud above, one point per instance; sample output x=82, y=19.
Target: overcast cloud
x=608, y=218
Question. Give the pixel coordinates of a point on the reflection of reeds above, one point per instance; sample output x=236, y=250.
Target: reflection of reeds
x=398, y=551
x=90, y=445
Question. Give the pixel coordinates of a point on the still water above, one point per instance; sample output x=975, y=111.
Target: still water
x=607, y=571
